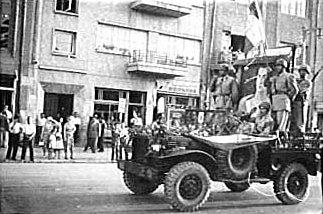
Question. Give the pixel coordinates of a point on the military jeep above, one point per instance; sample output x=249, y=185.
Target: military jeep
x=186, y=165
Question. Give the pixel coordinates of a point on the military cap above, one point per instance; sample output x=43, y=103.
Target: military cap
x=305, y=67
x=265, y=105
x=282, y=62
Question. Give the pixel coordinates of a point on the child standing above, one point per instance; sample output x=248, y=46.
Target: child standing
x=55, y=143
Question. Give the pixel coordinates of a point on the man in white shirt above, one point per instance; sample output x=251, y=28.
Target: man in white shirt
x=15, y=129
x=29, y=134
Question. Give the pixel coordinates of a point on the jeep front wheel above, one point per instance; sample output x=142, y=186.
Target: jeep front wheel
x=291, y=186
x=237, y=187
x=138, y=185
x=187, y=186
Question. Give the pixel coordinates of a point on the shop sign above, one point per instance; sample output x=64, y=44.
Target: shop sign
x=179, y=87
x=122, y=105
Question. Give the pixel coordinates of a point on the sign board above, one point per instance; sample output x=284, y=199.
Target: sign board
x=122, y=105
x=179, y=87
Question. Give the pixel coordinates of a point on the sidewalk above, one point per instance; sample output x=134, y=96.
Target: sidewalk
x=79, y=156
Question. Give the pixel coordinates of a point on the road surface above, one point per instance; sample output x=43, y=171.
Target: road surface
x=98, y=188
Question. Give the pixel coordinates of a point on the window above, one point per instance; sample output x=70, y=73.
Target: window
x=294, y=7
x=176, y=47
x=107, y=103
x=110, y=95
x=69, y=6
x=120, y=40
x=5, y=17
x=64, y=42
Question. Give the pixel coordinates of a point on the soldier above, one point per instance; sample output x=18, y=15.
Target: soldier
x=264, y=123
x=283, y=90
x=300, y=104
x=225, y=90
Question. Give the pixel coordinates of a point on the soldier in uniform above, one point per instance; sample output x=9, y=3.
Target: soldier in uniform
x=300, y=104
x=264, y=123
x=225, y=89
x=283, y=89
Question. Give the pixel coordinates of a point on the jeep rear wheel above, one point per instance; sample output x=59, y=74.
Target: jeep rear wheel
x=291, y=186
x=237, y=187
x=236, y=164
x=138, y=185
x=187, y=186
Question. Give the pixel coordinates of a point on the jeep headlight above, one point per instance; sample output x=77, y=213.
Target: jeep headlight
x=155, y=147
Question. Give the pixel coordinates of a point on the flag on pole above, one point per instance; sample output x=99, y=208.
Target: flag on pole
x=255, y=32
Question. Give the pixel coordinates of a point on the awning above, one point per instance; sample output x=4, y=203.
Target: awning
x=61, y=88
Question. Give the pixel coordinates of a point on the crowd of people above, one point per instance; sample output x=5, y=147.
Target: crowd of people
x=114, y=132
x=53, y=135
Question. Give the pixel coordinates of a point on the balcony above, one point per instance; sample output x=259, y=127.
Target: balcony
x=161, y=65
x=161, y=8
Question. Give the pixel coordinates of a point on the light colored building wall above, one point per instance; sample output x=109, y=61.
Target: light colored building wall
x=91, y=67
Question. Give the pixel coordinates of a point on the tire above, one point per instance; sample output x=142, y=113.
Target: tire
x=237, y=187
x=187, y=186
x=138, y=185
x=236, y=164
x=291, y=186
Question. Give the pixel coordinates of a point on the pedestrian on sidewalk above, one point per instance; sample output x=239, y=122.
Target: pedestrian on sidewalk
x=69, y=130
x=55, y=144
x=47, y=128
x=77, y=122
x=115, y=144
x=6, y=112
x=124, y=139
x=29, y=134
x=40, y=123
x=15, y=137
x=93, y=134
x=4, y=131
x=101, y=135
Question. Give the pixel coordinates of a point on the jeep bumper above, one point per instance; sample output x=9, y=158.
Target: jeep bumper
x=139, y=169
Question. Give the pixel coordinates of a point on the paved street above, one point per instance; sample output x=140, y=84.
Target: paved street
x=98, y=188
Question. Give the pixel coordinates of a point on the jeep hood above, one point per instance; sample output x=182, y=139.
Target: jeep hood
x=233, y=141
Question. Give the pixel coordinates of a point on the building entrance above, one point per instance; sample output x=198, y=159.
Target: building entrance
x=58, y=104
x=5, y=99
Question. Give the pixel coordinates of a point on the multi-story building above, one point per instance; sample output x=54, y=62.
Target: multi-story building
x=109, y=57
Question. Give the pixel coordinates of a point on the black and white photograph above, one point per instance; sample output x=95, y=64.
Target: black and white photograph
x=161, y=106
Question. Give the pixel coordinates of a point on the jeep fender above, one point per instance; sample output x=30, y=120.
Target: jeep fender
x=198, y=156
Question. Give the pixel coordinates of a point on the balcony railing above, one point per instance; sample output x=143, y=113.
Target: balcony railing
x=154, y=57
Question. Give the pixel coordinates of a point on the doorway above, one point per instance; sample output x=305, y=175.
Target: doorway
x=58, y=103
x=5, y=99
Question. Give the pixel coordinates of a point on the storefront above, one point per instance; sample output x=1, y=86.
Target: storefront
x=118, y=105
x=7, y=91
x=174, y=97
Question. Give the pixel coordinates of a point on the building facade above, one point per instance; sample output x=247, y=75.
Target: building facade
x=110, y=58
x=9, y=62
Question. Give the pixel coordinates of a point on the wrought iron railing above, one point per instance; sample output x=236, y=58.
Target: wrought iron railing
x=155, y=57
